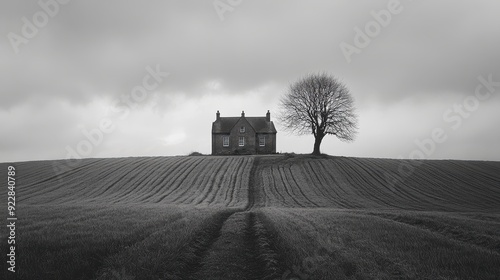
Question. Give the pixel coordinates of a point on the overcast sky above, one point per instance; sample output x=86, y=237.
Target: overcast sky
x=70, y=69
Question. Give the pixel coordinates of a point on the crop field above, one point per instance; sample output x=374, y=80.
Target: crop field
x=255, y=217
x=201, y=181
x=350, y=183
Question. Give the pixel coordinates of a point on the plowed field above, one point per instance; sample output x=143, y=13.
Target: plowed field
x=255, y=217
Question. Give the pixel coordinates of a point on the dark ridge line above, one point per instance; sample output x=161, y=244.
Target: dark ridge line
x=328, y=199
x=173, y=187
x=193, y=182
x=287, y=187
x=163, y=182
x=153, y=186
x=139, y=181
x=228, y=195
x=110, y=189
x=216, y=176
x=64, y=174
x=108, y=167
x=27, y=188
x=299, y=188
x=220, y=179
x=275, y=186
x=239, y=195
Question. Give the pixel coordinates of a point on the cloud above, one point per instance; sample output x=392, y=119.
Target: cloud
x=93, y=52
x=174, y=138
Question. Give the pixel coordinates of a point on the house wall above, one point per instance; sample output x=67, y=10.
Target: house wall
x=251, y=141
x=217, y=148
x=270, y=146
x=249, y=135
x=249, y=148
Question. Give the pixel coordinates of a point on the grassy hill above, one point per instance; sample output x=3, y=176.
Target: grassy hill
x=256, y=217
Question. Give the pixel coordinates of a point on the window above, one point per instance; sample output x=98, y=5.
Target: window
x=262, y=141
x=242, y=141
x=225, y=141
x=242, y=129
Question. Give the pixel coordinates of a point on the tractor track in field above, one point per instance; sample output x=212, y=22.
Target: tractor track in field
x=200, y=246
x=237, y=245
x=252, y=189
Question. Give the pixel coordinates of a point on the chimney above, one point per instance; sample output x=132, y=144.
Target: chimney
x=243, y=113
x=217, y=116
x=268, y=116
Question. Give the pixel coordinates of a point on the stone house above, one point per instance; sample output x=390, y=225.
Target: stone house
x=243, y=135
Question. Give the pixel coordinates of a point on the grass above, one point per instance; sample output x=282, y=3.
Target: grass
x=325, y=243
x=246, y=217
x=81, y=242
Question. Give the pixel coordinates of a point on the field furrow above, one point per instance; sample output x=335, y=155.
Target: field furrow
x=351, y=183
x=176, y=180
x=52, y=182
x=153, y=186
x=221, y=179
x=172, y=180
x=212, y=183
x=257, y=217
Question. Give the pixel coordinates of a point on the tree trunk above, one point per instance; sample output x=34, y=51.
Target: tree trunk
x=317, y=143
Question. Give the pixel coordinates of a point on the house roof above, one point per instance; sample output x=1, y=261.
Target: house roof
x=259, y=124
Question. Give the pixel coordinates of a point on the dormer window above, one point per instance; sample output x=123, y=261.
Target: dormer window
x=242, y=129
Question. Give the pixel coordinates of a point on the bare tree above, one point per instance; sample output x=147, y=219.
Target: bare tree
x=321, y=105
